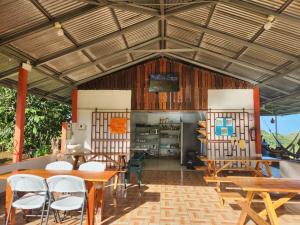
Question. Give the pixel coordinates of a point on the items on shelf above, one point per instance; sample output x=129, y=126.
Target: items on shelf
x=201, y=131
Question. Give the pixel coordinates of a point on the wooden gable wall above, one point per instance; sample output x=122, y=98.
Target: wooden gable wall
x=194, y=83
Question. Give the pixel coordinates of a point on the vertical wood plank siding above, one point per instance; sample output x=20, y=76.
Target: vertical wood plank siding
x=194, y=83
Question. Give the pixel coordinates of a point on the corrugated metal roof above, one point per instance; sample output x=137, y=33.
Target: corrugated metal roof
x=269, y=92
x=199, y=15
x=284, y=84
x=280, y=41
x=236, y=22
x=263, y=59
x=42, y=43
x=95, y=24
x=286, y=28
x=7, y=63
x=138, y=55
x=142, y=34
x=293, y=8
x=107, y=47
x=23, y=15
x=65, y=92
x=172, y=45
x=84, y=73
x=58, y=7
x=220, y=45
x=272, y=4
x=50, y=85
x=244, y=72
x=68, y=61
x=184, y=34
x=127, y=19
x=116, y=61
x=210, y=60
x=28, y=32
x=33, y=76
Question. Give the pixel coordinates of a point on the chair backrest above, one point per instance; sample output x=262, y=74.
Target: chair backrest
x=66, y=183
x=27, y=183
x=59, y=165
x=92, y=166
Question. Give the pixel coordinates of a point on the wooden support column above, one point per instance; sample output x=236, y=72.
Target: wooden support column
x=20, y=115
x=74, y=105
x=63, y=137
x=256, y=101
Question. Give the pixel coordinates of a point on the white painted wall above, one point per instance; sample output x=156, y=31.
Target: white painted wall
x=233, y=100
x=36, y=163
x=289, y=169
x=103, y=100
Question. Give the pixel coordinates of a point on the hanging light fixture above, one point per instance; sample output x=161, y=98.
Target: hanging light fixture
x=59, y=30
x=269, y=23
x=272, y=120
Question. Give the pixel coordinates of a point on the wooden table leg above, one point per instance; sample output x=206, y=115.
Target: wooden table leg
x=278, y=203
x=257, y=169
x=8, y=199
x=90, y=211
x=247, y=203
x=75, y=162
x=100, y=200
x=270, y=208
x=223, y=167
x=268, y=168
x=116, y=182
x=252, y=214
x=209, y=168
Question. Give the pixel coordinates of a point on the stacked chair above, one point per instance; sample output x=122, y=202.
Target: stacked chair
x=57, y=193
x=135, y=165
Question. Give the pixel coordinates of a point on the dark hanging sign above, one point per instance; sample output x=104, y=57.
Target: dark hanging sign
x=164, y=82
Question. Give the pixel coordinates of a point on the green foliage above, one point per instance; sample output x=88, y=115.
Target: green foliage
x=284, y=139
x=44, y=150
x=43, y=121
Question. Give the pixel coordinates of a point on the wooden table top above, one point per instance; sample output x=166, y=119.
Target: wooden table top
x=239, y=158
x=87, y=176
x=95, y=153
x=263, y=184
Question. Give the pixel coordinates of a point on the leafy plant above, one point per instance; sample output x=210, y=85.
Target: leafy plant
x=42, y=124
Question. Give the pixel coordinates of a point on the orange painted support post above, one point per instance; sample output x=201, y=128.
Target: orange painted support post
x=20, y=115
x=74, y=105
x=256, y=100
x=63, y=137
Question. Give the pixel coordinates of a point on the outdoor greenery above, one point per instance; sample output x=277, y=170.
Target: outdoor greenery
x=43, y=122
x=284, y=139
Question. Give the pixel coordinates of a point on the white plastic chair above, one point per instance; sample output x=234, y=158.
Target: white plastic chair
x=59, y=165
x=36, y=191
x=92, y=166
x=67, y=184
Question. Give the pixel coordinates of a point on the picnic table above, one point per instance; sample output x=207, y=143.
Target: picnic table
x=245, y=161
x=263, y=186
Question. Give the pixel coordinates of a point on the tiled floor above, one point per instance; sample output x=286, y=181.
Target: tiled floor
x=172, y=197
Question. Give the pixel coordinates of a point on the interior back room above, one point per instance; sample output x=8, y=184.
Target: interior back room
x=166, y=135
x=201, y=95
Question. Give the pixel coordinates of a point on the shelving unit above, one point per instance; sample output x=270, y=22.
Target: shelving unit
x=170, y=141
x=147, y=137
x=161, y=140
x=202, y=134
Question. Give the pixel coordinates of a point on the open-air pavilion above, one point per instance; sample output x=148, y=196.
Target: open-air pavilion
x=168, y=91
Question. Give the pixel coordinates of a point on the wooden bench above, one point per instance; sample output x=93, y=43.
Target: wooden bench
x=231, y=196
x=200, y=168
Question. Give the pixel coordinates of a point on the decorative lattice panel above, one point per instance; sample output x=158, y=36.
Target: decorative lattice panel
x=218, y=146
x=104, y=141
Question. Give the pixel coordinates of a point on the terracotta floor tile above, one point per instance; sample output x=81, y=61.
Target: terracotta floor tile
x=168, y=198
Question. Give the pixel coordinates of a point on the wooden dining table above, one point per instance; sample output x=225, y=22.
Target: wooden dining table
x=262, y=187
x=91, y=179
x=246, y=161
